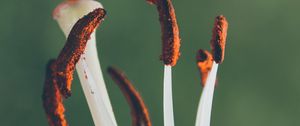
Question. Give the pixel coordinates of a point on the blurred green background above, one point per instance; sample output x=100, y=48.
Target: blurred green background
x=258, y=81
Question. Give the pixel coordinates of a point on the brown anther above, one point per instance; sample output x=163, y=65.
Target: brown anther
x=74, y=47
x=218, y=40
x=204, y=62
x=52, y=99
x=139, y=112
x=170, y=31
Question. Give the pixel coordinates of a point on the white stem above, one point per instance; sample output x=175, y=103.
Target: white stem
x=205, y=104
x=168, y=99
x=67, y=14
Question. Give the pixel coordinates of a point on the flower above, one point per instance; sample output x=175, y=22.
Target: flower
x=78, y=19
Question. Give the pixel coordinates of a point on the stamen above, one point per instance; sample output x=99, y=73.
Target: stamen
x=170, y=52
x=218, y=49
x=140, y=115
x=74, y=47
x=218, y=40
x=170, y=31
x=67, y=14
x=204, y=62
x=52, y=99
x=205, y=104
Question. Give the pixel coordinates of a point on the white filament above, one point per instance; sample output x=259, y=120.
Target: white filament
x=167, y=98
x=67, y=14
x=94, y=95
x=205, y=104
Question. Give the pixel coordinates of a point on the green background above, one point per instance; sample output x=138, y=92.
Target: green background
x=258, y=81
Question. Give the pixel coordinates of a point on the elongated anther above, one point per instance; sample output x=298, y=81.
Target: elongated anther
x=139, y=112
x=74, y=47
x=204, y=62
x=218, y=40
x=170, y=31
x=52, y=99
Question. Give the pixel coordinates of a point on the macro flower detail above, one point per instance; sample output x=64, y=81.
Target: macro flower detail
x=170, y=52
x=218, y=40
x=60, y=71
x=88, y=67
x=78, y=19
x=74, y=48
x=208, y=69
x=170, y=31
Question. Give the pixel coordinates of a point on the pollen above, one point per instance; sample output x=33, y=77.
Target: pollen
x=218, y=40
x=170, y=31
x=76, y=42
x=52, y=100
x=204, y=63
x=59, y=74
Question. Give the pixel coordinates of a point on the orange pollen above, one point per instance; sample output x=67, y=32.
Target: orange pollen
x=59, y=74
x=218, y=40
x=52, y=100
x=170, y=31
x=74, y=48
x=139, y=111
x=204, y=62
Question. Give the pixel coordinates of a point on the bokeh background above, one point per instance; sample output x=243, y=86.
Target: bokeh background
x=258, y=81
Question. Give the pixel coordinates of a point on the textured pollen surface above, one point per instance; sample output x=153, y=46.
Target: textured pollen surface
x=74, y=47
x=170, y=31
x=59, y=74
x=52, y=99
x=218, y=40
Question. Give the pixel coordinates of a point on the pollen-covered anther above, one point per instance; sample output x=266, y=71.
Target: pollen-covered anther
x=139, y=111
x=52, y=99
x=170, y=31
x=74, y=48
x=204, y=63
x=218, y=40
